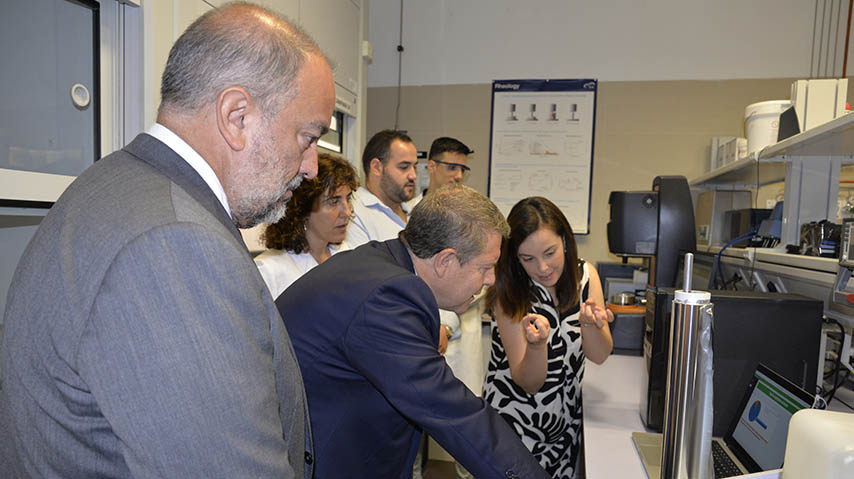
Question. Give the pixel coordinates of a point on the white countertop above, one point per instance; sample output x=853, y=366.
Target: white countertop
x=611, y=395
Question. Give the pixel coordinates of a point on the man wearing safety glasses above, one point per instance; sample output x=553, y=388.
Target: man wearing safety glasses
x=446, y=164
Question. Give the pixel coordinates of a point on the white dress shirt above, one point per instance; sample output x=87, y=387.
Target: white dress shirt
x=281, y=268
x=192, y=157
x=372, y=220
x=414, y=201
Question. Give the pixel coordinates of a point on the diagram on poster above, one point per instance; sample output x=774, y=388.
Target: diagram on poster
x=542, y=144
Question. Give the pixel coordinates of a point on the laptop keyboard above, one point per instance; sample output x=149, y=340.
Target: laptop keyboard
x=724, y=465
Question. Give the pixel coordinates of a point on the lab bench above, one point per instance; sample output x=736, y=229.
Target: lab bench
x=611, y=394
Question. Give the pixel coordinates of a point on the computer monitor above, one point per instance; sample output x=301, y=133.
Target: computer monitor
x=757, y=435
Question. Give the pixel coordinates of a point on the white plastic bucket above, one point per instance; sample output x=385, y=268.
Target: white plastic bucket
x=761, y=122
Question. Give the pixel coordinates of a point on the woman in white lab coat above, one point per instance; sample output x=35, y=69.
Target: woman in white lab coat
x=313, y=228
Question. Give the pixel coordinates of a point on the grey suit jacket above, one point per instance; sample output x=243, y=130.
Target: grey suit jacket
x=140, y=339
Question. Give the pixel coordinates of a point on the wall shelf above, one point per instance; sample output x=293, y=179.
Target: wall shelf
x=832, y=140
x=809, y=163
x=749, y=172
x=775, y=256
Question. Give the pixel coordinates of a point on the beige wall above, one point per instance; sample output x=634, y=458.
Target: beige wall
x=426, y=113
x=643, y=129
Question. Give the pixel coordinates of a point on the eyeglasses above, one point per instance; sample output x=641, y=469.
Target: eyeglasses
x=454, y=167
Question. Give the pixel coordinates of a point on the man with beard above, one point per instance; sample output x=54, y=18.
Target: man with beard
x=140, y=339
x=379, y=212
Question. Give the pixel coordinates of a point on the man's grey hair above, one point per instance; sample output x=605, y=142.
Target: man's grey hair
x=238, y=44
x=454, y=216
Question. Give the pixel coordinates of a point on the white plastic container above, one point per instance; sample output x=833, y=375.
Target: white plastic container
x=819, y=444
x=762, y=121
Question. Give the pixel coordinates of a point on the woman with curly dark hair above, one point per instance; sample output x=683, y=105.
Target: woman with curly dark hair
x=314, y=225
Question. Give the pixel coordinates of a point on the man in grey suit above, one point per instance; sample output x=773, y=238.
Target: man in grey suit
x=139, y=338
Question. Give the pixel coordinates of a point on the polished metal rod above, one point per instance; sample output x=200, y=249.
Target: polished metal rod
x=689, y=271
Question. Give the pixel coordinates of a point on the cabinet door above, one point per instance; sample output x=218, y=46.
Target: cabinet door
x=49, y=112
x=334, y=25
x=167, y=21
x=186, y=12
x=288, y=8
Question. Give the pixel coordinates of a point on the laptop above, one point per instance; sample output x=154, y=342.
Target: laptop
x=756, y=438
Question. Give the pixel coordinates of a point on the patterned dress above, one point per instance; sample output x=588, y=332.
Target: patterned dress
x=549, y=422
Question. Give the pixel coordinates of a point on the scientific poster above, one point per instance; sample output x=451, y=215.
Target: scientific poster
x=541, y=144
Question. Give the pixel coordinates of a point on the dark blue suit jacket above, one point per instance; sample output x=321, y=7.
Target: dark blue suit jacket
x=366, y=331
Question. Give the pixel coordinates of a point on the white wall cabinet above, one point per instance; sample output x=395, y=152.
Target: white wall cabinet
x=186, y=12
x=334, y=24
x=289, y=8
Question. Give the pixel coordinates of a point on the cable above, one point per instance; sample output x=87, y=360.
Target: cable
x=399, y=69
x=836, y=382
x=733, y=281
x=838, y=360
x=818, y=402
x=716, y=266
x=836, y=386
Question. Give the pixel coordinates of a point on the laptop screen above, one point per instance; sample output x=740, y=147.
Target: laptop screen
x=763, y=426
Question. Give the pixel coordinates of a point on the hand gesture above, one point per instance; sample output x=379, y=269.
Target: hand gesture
x=592, y=314
x=536, y=328
x=443, y=339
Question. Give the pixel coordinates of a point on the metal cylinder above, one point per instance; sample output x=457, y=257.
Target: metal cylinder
x=686, y=441
x=689, y=270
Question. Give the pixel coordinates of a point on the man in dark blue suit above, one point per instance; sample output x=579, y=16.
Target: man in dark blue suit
x=365, y=327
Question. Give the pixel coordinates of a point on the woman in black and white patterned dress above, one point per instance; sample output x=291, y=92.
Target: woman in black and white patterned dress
x=548, y=315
